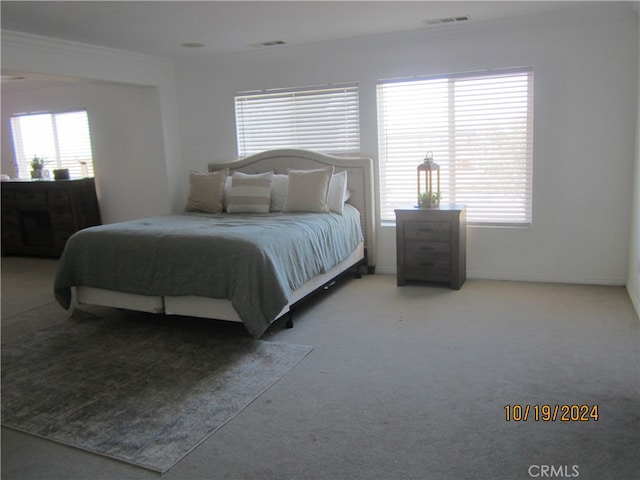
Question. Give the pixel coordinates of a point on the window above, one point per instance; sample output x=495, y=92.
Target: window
x=323, y=118
x=479, y=128
x=63, y=139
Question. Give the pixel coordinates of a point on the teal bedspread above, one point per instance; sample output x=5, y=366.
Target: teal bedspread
x=255, y=261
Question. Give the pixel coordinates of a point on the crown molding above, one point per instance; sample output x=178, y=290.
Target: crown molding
x=49, y=45
x=37, y=54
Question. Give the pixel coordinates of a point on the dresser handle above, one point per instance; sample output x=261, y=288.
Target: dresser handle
x=427, y=264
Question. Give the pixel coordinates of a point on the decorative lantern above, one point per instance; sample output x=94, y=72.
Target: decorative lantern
x=429, y=194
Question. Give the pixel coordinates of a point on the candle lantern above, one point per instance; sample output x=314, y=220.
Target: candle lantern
x=428, y=191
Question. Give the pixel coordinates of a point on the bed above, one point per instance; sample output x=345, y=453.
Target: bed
x=252, y=251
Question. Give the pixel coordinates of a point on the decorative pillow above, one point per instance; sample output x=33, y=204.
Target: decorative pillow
x=279, y=187
x=206, y=191
x=308, y=191
x=227, y=192
x=338, y=192
x=250, y=193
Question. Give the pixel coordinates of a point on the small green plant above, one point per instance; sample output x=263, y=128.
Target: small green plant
x=38, y=163
x=429, y=199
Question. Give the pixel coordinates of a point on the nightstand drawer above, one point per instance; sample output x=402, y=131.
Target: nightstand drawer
x=428, y=273
x=430, y=231
x=417, y=251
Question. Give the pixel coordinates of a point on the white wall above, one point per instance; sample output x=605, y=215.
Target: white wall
x=633, y=280
x=133, y=115
x=125, y=127
x=585, y=68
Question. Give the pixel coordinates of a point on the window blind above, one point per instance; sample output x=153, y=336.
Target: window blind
x=479, y=128
x=62, y=138
x=323, y=118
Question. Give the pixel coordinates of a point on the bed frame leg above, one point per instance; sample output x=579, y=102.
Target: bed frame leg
x=289, y=323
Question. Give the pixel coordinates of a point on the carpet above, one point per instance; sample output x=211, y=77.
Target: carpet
x=143, y=390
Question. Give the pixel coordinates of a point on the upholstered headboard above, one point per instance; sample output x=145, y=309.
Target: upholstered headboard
x=360, y=182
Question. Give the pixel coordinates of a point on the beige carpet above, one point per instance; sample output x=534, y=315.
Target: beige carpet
x=411, y=383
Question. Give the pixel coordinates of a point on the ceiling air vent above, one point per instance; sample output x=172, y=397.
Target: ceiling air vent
x=272, y=43
x=446, y=20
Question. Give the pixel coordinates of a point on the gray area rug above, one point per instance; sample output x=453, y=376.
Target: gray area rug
x=141, y=390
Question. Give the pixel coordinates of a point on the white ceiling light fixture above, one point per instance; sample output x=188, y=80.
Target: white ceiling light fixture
x=192, y=45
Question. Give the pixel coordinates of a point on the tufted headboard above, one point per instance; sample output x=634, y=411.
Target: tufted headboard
x=360, y=174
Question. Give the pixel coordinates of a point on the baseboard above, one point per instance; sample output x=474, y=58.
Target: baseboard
x=540, y=278
x=635, y=301
x=528, y=277
x=385, y=270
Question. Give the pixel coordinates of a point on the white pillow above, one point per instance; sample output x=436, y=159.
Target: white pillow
x=206, y=191
x=308, y=190
x=250, y=193
x=338, y=192
x=279, y=187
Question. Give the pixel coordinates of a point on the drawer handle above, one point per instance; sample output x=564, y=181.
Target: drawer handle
x=427, y=264
x=427, y=247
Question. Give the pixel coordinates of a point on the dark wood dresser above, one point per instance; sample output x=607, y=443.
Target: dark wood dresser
x=431, y=245
x=39, y=216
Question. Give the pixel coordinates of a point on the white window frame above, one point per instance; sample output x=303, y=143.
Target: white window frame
x=63, y=138
x=323, y=118
x=486, y=159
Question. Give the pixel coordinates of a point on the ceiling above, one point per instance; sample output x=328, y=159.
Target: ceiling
x=160, y=28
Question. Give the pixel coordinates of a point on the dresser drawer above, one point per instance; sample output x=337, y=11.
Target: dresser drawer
x=8, y=197
x=31, y=198
x=58, y=197
x=60, y=239
x=62, y=221
x=10, y=219
x=11, y=238
x=429, y=231
x=11, y=229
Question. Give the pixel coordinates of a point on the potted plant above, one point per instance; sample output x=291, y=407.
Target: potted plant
x=37, y=166
x=429, y=199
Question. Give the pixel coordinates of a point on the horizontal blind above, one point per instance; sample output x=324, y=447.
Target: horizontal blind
x=324, y=119
x=479, y=128
x=63, y=139
x=74, y=142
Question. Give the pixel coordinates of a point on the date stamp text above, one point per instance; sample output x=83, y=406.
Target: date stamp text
x=551, y=413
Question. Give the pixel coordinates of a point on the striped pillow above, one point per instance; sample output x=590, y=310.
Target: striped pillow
x=250, y=193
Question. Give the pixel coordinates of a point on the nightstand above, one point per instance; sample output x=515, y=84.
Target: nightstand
x=431, y=245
